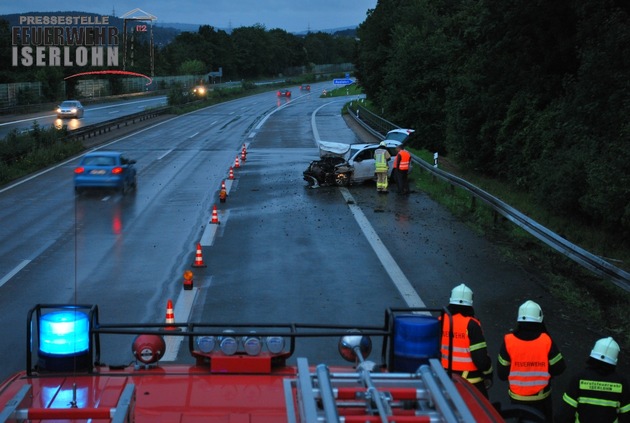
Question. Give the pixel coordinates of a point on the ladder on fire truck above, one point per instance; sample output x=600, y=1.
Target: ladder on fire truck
x=428, y=395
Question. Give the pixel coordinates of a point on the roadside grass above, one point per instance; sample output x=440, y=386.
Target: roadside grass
x=26, y=153
x=351, y=89
x=600, y=304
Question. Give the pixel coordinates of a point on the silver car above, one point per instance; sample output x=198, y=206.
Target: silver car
x=70, y=109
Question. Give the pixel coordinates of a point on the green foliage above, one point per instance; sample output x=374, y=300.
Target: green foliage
x=192, y=67
x=532, y=93
x=51, y=78
x=177, y=95
x=24, y=153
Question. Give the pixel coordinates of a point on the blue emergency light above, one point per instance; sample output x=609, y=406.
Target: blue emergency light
x=64, y=333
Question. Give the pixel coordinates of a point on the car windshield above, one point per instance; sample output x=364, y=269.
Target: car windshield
x=354, y=151
x=69, y=104
x=397, y=136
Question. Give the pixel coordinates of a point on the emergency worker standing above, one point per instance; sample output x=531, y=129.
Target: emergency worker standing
x=381, y=158
x=401, y=164
x=528, y=359
x=470, y=357
x=598, y=393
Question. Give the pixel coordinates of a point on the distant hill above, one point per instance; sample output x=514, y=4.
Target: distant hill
x=163, y=32
x=348, y=30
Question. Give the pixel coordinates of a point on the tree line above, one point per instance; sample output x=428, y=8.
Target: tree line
x=535, y=93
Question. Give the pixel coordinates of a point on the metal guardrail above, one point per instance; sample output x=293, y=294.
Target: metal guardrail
x=107, y=126
x=596, y=264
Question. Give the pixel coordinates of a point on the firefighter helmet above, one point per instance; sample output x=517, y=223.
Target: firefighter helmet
x=606, y=350
x=530, y=311
x=461, y=295
x=383, y=144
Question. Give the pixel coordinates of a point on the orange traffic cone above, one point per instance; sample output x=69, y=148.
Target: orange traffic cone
x=231, y=173
x=237, y=164
x=170, y=316
x=215, y=215
x=244, y=153
x=198, y=257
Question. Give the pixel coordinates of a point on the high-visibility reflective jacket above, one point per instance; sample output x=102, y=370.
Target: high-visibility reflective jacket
x=529, y=368
x=403, y=158
x=381, y=156
x=596, y=395
x=462, y=359
x=470, y=354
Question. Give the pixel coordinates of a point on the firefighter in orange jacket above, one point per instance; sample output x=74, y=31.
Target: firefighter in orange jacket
x=598, y=393
x=528, y=359
x=470, y=357
x=401, y=166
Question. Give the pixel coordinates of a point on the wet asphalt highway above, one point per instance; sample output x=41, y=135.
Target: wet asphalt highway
x=94, y=113
x=282, y=251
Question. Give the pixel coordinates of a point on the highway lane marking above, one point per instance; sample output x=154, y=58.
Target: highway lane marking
x=277, y=109
x=25, y=262
x=181, y=311
x=396, y=274
x=165, y=154
x=394, y=271
x=209, y=233
x=193, y=135
x=14, y=272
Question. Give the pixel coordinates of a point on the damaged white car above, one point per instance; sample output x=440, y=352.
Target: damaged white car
x=344, y=164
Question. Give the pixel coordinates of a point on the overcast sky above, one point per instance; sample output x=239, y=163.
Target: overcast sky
x=290, y=15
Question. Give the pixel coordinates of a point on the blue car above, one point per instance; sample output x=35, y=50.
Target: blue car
x=105, y=169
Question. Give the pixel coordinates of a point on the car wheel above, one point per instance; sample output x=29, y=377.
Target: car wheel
x=342, y=180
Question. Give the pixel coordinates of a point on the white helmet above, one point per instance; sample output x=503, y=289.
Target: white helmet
x=461, y=295
x=530, y=311
x=606, y=350
x=383, y=144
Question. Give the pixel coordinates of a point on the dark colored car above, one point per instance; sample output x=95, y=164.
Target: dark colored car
x=70, y=109
x=105, y=169
x=284, y=93
x=305, y=87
